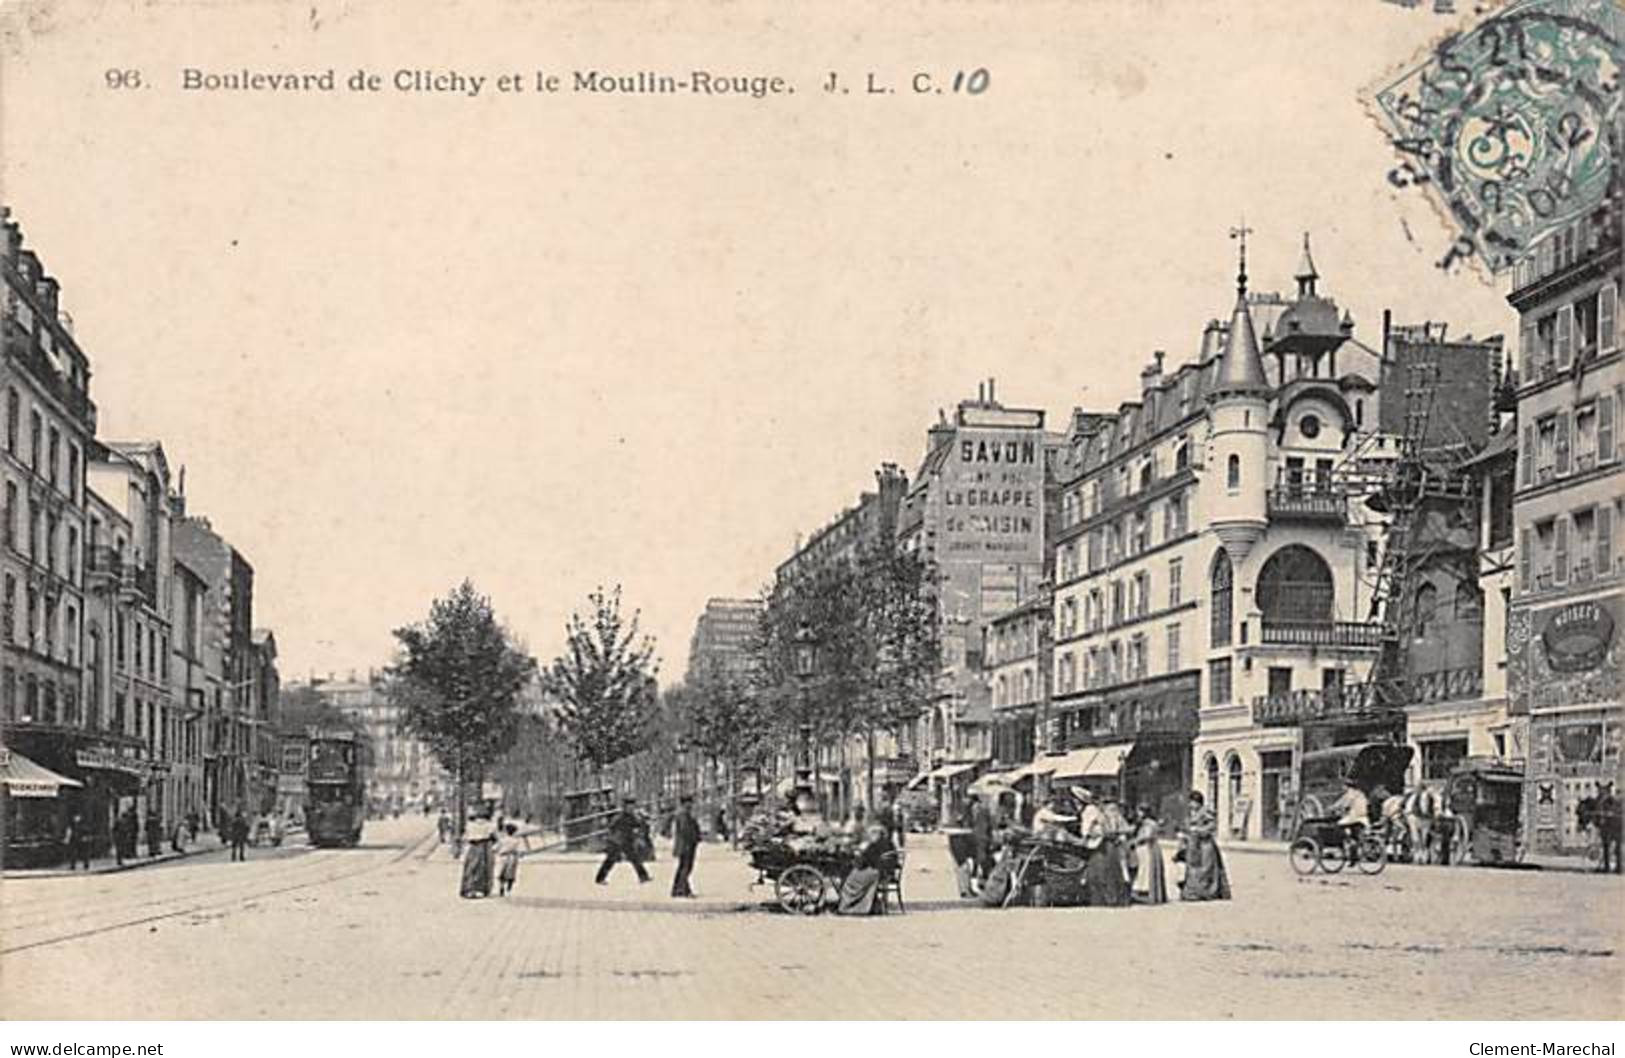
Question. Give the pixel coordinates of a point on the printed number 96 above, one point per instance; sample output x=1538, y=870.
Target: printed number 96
x=123, y=78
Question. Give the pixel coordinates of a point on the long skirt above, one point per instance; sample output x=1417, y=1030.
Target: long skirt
x=1204, y=872
x=1150, y=883
x=1104, y=881
x=477, y=869
x=858, y=892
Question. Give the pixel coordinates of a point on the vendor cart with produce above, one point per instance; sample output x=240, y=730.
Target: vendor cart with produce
x=806, y=870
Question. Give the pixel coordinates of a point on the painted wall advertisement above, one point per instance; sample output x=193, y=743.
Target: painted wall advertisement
x=993, y=497
x=1563, y=655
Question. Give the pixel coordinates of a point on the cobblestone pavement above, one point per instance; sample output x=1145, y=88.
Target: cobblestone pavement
x=380, y=933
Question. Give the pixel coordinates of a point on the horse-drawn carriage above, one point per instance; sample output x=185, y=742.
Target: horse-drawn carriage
x=1487, y=797
x=1378, y=769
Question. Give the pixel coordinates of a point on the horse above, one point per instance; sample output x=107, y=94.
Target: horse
x=1601, y=812
x=1420, y=809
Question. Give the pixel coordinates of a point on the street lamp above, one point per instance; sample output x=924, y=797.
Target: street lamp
x=806, y=659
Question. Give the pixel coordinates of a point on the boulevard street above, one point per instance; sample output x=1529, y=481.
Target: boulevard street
x=379, y=932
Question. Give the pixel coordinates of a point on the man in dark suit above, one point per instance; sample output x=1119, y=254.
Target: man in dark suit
x=981, y=835
x=626, y=832
x=685, y=842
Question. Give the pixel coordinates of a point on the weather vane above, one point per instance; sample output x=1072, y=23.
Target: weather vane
x=1241, y=233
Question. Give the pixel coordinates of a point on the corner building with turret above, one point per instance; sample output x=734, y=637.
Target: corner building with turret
x=1213, y=581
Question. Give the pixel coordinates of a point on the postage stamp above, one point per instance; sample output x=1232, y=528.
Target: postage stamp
x=1511, y=127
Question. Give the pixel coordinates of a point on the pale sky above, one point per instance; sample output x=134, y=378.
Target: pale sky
x=548, y=342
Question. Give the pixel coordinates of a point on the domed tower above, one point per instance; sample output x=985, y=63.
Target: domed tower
x=1238, y=410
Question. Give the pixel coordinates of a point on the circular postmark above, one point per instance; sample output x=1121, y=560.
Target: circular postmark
x=1512, y=125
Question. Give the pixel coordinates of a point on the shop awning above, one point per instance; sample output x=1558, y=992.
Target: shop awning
x=23, y=778
x=1041, y=766
x=787, y=786
x=919, y=780
x=993, y=781
x=948, y=771
x=1093, y=762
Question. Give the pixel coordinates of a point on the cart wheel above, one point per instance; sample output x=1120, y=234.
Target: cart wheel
x=1373, y=855
x=1064, y=863
x=1331, y=858
x=1305, y=855
x=800, y=890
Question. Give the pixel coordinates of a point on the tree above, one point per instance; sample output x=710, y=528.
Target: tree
x=721, y=717
x=458, y=682
x=604, y=683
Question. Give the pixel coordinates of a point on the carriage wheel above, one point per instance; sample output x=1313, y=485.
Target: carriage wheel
x=1373, y=854
x=1305, y=855
x=800, y=890
x=1064, y=863
x=1331, y=858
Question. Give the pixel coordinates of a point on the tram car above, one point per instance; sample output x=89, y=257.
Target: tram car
x=336, y=787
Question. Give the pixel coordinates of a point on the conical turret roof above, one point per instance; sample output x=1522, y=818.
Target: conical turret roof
x=1241, y=366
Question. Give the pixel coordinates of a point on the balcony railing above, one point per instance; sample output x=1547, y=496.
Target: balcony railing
x=1307, y=502
x=1446, y=685
x=1295, y=707
x=1362, y=634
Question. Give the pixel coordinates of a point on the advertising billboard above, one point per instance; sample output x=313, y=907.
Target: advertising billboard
x=1563, y=655
x=993, y=497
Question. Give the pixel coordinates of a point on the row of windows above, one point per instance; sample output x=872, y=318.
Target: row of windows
x=1131, y=535
x=1582, y=329
x=1117, y=603
x=50, y=542
x=1573, y=440
x=44, y=447
x=1571, y=548
x=1117, y=662
x=1091, y=498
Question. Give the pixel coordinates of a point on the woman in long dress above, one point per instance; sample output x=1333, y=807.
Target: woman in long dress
x=1106, y=876
x=1205, y=878
x=1150, y=885
x=479, y=839
x=861, y=885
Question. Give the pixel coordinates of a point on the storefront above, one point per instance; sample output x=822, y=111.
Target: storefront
x=1563, y=673
x=36, y=810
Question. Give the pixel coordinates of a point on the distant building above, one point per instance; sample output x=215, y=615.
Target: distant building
x=976, y=510
x=723, y=635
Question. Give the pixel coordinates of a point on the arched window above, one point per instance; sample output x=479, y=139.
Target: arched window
x=1232, y=472
x=1233, y=785
x=1295, y=585
x=1427, y=605
x=1221, y=597
x=1212, y=769
x=1182, y=456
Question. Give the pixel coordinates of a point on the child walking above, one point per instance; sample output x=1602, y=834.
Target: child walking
x=508, y=847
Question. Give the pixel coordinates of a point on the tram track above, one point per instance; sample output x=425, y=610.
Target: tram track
x=214, y=899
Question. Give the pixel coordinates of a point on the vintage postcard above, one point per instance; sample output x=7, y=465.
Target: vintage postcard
x=977, y=510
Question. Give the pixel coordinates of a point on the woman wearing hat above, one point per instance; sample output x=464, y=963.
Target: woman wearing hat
x=1205, y=878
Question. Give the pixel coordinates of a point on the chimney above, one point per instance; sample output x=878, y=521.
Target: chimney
x=991, y=399
x=11, y=236
x=1212, y=341
x=47, y=288
x=1151, y=374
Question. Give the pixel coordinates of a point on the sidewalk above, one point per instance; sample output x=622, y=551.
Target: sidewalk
x=109, y=865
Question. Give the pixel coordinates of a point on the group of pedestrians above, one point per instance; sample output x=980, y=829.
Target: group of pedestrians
x=1120, y=849
x=80, y=839
x=491, y=847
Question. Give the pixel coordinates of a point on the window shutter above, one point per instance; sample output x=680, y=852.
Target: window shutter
x=1605, y=539
x=1531, y=353
x=1526, y=559
x=1605, y=428
x=1560, y=562
x=1529, y=455
x=1607, y=318
x=1562, y=442
x=1565, y=337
